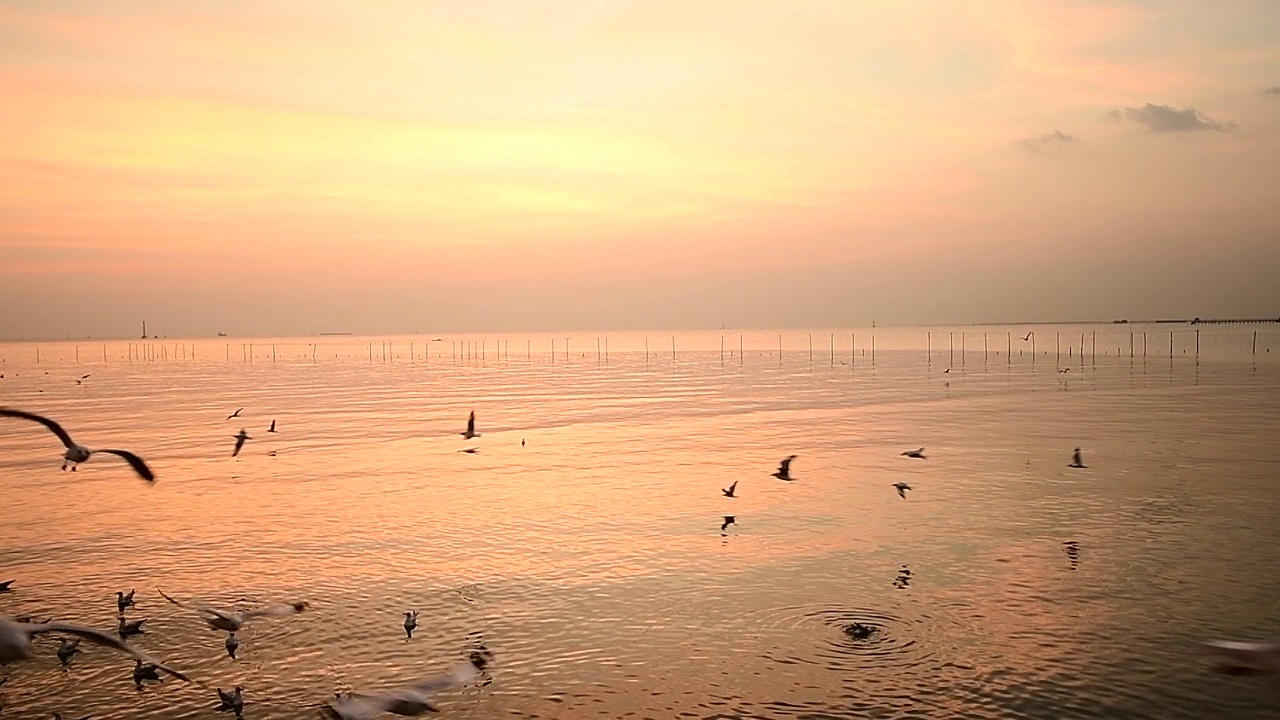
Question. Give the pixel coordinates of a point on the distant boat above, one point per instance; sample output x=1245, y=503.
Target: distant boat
x=222, y=334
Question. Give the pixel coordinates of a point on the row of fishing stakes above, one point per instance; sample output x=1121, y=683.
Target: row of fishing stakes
x=470, y=351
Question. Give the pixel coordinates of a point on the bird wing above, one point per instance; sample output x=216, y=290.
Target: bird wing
x=101, y=638
x=135, y=462
x=360, y=707
x=458, y=675
x=198, y=608
x=55, y=427
x=734, y=485
x=277, y=611
x=471, y=424
x=239, y=444
x=785, y=467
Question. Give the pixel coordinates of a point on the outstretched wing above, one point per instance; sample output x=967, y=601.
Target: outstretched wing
x=135, y=462
x=459, y=675
x=104, y=639
x=55, y=427
x=785, y=467
x=359, y=707
x=471, y=423
x=197, y=607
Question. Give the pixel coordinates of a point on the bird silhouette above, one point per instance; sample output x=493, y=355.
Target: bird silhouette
x=784, y=469
x=728, y=492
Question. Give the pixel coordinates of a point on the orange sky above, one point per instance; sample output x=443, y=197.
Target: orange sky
x=273, y=167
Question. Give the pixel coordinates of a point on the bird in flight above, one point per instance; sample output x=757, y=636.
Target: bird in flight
x=235, y=414
x=915, y=454
x=415, y=699
x=784, y=469
x=1027, y=337
x=471, y=427
x=902, y=489
x=83, y=378
x=77, y=454
x=1064, y=371
x=240, y=438
x=1076, y=460
x=273, y=426
x=728, y=492
x=15, y=641
x=231, y=622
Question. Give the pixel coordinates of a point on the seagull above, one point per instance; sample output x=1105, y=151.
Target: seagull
x=77, y=454
x=728, y=520
x=273, y=426
x=1076, y=460
x=472, y=451
x=15, y=641
x=68, y=649
x=944, y=372
x=410, y=622
x=144, y=672
x=521, y=442
x=471, y=427
x=240, y=438
x=4, y=586
x=1027, y=337
x=1248, y=656
x=915, y=453
x=231, y=622
x=233, y=700
x=82, y=379
x=784, y=469
x=728, y=492
x=124, y=600
x=130, y=627
x=234, y=414
x=231, y=644
x=902, y=489
x=1064, y=371
x=413, y=700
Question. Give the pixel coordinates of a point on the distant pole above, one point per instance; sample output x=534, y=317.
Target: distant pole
x=599, y=356
x=1144, y=345
x=553, y=351
x=1033, y=348
x=411, y=351
x=528, y=349
x=951, y=340
x=1255, y=342
x=722, y=351
x=833, y=349
x=873, y=349
x=779, y=349
x=250, y=353
x=1008, y=352
x=928, y=346
x=273, y=352
x=370, y=352
x=78, y=352
x=853, y=349
x=646, y=350
x=740, y=347
x=673, y=347
x=104, y=352
x=1171, y=345
x=1057, y=345
x=962, y=337
x=1095, y=346
x=810, y=348
x=228, y=351
x=606, y=349
x=1131, y=344
x=984, y=347
x=37, y=356
x=1197, y=343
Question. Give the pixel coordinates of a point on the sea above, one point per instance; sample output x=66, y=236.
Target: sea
x=586, y=541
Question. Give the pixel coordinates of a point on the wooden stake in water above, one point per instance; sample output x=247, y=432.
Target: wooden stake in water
x=1057, y=345
x=740, y=349
x=984, y=347
x=673, y=347
x=37, y=356
x=811, y=348
x=928, y=346
x=951, y=339
x=779, y=349
x=853, y=349
x=833, y=349
x=1171, y=345
x=1144, y=346
x=721, y=351
x=1255, y=342
x=1197, y=343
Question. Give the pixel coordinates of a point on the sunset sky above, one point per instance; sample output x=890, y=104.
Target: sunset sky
x=279, y=167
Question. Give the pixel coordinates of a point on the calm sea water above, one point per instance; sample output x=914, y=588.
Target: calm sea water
x=592, y=558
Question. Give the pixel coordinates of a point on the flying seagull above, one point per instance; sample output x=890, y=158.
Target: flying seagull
x=231, y=622
x=902, y=489
x=471, y=427
x=83, y=378
x=728, y=492
x=77, y=454
x=15, y=641
x=124, y=600
x=1064, y=371
x=240, y=438
x=1076, y=460
x=1249, y=656
x=915, y=453
x=472, y=451
x=4, y=586
x=235, y=414
x=728, y=520
x=944, y=372
x=784, y=469
x=410, y=622
x=273, y=426
x=1027, y=337
x=415, y=699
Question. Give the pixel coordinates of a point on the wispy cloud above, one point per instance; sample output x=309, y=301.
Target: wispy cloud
x=1167, y=119
x=1055, y=139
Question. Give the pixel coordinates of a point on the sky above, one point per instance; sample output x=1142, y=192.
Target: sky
x=290, y=167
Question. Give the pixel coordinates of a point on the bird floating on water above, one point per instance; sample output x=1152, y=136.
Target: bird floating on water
x=68, y=649
x=231, y=622
x=15, y=641
x=143, y=672
x=902, y=489
x=858, y=631
x=728, y=492
x=410, y=622
x=784, y=469
x=235, y=414
x=1076, y=460
x=240, y=438
x=415, y=699
x=470, y=432
x=233, y=700
x=919, y=454
x=231, y=644
x=77, y=454
x=124, y=600
x=130, y=627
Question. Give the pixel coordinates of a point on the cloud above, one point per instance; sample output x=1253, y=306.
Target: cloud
x=1166, y=119
x=1057, y=138
x=1272, y=91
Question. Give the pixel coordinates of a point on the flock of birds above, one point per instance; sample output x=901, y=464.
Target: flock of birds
x=17, y=633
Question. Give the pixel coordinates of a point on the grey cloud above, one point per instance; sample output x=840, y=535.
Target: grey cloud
x=1057, y=138
x=1166, y=119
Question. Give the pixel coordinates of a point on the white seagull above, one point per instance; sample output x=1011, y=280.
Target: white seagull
x=231, y=622
x=413, y=700
x=902, y=489
x=15, y=641
x=78, y=453
x=471, y=427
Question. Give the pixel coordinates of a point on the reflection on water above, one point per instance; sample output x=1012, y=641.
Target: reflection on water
x=588, y=539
